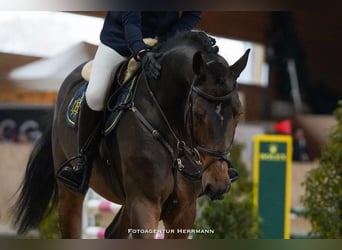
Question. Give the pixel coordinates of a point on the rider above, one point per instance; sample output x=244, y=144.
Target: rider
x=121, y=36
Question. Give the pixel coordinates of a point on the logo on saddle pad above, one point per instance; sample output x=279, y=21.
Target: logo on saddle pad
x=116, y=105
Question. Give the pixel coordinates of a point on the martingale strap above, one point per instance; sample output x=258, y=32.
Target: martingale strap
x=156, y=135
x=177, y=162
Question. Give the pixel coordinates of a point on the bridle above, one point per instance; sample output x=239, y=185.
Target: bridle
x=217, y=155
x=191, y=150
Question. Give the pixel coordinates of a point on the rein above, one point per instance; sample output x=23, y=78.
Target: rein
x=192, y=152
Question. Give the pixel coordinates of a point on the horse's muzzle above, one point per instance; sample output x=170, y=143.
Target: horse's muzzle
x=214, y=194
x=217, y=180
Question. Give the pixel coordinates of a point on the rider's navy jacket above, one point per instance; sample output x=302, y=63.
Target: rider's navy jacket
x=123, y=31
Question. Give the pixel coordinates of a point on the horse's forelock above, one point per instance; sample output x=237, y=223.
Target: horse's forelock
x=216, y=65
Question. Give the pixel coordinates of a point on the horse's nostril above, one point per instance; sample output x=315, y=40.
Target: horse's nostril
x=233, y=174
x=208, y=189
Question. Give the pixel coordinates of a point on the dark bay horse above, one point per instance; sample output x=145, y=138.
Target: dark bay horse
x=171, y=146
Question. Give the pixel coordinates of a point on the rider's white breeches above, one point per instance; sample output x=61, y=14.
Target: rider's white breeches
x=102, y=74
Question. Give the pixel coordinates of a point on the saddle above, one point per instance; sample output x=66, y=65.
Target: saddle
x=120, y=98
x=121, y=94
x=125, y=73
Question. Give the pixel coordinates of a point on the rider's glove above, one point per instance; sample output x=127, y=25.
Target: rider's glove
x=150, y=64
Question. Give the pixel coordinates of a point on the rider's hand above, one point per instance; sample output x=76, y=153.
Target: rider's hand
x=212, y=40
x=150, y=64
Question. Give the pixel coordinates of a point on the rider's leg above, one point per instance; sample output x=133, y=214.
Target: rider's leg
x=102, y=74
x=105, y=61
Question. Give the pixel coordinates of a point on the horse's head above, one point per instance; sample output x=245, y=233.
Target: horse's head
x=212, y=116
x=199, y=81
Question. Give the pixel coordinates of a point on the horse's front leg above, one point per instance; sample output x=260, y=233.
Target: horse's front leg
x=144, y=216
x=118, y=228
x=70, y=212
x=180, y=221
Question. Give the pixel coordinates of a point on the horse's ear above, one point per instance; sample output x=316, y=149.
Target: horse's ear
x=240, y=64
x=197, y=62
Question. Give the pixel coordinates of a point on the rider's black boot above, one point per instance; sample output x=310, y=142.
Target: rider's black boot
x=76, y=176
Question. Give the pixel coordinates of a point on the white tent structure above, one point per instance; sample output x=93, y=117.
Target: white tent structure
x=48, y=74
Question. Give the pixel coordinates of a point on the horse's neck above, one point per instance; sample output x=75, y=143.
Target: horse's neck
x=170, y=92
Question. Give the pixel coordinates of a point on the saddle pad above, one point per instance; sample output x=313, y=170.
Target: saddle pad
x=119, y=101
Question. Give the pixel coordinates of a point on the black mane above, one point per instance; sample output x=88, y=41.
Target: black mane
x=197, y=39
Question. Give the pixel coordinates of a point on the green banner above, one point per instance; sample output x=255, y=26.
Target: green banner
x=272, y=184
